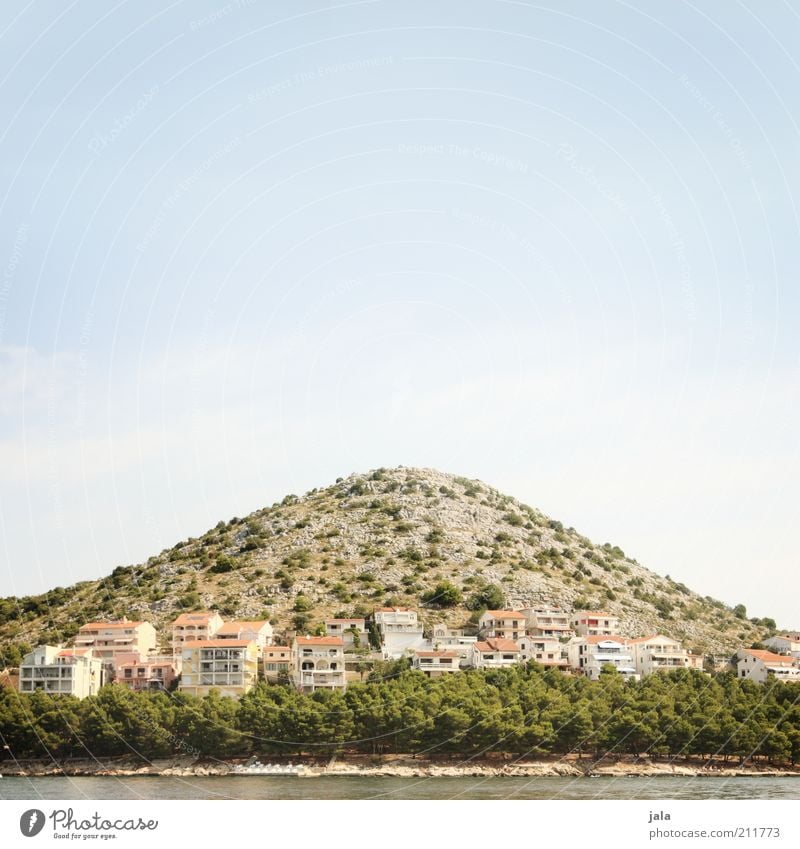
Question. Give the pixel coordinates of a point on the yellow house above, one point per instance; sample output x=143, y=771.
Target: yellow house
x=230, y=666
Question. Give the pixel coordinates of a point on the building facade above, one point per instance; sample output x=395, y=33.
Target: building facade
x=763, y=666
x=191, y=627
x=495, y=652
x=594, y=623
x=117, y=643
x=784, y=644
x=503, y=624
x=153, y=673
x=66, y=672
x=230, y=666
x=546, y=651
x=657, y=653
x=590, y=654
x=318, y=663
x=548, y=622
x=277, y=663
x=435, y=663
x=352, y=631
x=258, y=632
x=399, y=630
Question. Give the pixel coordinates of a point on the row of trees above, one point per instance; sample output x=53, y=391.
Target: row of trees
x=524, y=711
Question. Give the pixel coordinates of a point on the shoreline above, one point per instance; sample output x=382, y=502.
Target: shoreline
x=396, y=766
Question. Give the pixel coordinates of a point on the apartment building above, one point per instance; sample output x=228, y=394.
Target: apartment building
x=318, y=663
x=352, y=631
x=589, y=654
x=435, y=663
x=785, y=644
x=399, y=629
x=657, y=653
x=117, y=643
x=230, y=666
x=66, y=672
x=505, y=624
x=546, y=651
x=495, y=652
x=153, y=673
x=594, y=623
x=258, y=632
x=548, y=622
x=454, y=639
x=277, y=662
x=761, y=666
x=191, y=627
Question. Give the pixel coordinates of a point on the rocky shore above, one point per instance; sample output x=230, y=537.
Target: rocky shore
x=398, y=767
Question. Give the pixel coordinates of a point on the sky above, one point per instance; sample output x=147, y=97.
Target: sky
x=248, y=247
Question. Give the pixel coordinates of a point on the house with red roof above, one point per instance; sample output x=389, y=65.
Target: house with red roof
x=761, y=666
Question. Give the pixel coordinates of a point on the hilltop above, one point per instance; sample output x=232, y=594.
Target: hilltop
x=443, y=544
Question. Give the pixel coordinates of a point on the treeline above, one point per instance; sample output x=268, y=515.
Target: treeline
x=524, y=711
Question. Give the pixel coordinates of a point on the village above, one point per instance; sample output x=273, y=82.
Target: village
x=207, y=653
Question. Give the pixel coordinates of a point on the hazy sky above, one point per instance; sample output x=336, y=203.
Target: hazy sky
x=249, y=247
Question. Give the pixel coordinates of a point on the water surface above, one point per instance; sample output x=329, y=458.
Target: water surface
x=346, y=787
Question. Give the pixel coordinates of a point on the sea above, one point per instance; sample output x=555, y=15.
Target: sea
x=347, y=787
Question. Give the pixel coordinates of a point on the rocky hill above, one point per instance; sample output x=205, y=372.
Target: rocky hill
x=443, y=544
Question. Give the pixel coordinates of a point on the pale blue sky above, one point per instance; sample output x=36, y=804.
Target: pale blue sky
x=248, y=247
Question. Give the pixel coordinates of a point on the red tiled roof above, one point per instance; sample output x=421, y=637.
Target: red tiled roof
x=92, y=626
x=769, y=657
x=319, y=641
x=595, y=614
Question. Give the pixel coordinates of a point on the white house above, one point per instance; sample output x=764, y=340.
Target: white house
x=454, y=639
x=784, y=644
x=546, y=651
x=318, y=663
x=495, y=652
x=68, y=672
x=435, y=663
x=589, y=654
x=399, y=629
x=506, y=624
x=352, y=631
x=595, y=623
x=760, y=666
x=548, y=622
x=657, y=653
x=258, y=632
